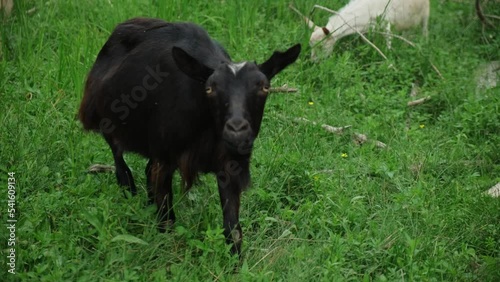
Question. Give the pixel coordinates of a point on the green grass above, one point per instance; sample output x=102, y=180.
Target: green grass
x=411, y=212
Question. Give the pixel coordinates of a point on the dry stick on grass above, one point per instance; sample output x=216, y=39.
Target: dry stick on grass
x=358, y=138
x=99, y=168
x=329, y=128
x=361, y=139
x=333, y=129
x=31, y=11
x=283, y=89
x=418, y=101
x=492, y=16
x=437, y=71
x=306, y=19
x=481, y=15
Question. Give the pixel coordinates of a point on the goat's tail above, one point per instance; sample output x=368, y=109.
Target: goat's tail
x=87, y=113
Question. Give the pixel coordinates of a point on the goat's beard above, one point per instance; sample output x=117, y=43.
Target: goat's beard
x=239, y=148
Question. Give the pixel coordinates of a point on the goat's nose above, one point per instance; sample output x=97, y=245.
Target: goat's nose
x=237, y=125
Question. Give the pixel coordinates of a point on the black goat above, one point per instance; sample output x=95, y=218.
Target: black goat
x=172, y=94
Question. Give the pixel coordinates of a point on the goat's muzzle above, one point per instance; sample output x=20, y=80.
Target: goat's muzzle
x=238, y=136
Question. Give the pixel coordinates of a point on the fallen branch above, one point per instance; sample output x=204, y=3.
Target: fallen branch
x=379, y=144
x=492, y=16
x=306, y=19
x=301, y=119
x=361, y=139
x=437, y=71
x=358, y=138
x=332, y=129
x=480, y=14
x=31, y=11
x=283, y=89
x=329, y=128
x=418, y=101
x=99, y=168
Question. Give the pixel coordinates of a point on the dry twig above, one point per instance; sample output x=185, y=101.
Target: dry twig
x=481, y=15
x=358, y=138
x=418, y=101
x=306, y=19
x=99, y=168
x=361, y=139
x=437, y=71
x=333, y=129
x=283, y=89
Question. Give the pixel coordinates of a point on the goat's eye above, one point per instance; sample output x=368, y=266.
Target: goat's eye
x=208, y=90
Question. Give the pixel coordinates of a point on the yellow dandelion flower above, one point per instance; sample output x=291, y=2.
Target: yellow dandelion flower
x=344, y=155
x=310, y=103
x=422, y=126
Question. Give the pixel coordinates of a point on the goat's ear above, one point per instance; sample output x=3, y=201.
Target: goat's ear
x=279, y=61
x=191, y=66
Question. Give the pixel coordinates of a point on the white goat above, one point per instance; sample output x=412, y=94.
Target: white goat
x=359, y=15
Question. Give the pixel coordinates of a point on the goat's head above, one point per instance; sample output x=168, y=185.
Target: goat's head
x=236, y=93
x=321, y=42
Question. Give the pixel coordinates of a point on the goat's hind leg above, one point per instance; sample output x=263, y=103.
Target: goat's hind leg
x=160, y=190
x=122, y=171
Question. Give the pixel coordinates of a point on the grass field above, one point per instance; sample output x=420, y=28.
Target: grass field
x=321, y=207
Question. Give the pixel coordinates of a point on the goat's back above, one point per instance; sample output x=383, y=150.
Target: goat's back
x=360, y=14
x=137, y=89
x=405, y=14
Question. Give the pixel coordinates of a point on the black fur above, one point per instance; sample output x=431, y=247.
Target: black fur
x=146, y=93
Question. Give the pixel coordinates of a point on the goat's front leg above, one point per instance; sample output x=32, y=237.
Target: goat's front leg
x=388, y=35
x=231, y=182
x=425, y=28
